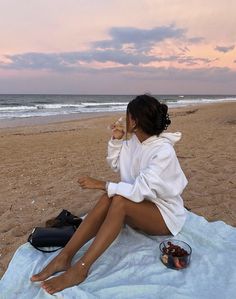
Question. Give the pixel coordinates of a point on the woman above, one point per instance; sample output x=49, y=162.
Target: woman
x=147, y=198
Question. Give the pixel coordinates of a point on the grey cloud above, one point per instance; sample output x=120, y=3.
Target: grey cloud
x=140, y=36
x=71, y=61
x=224, y=49
x=138, y=41
x=143, y=39
x=117, y=56
x=34, y=61
x=203, y=74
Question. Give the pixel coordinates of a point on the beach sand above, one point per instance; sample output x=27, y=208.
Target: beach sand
x=40, y=166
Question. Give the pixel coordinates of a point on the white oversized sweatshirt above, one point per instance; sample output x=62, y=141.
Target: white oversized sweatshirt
x=150, y=170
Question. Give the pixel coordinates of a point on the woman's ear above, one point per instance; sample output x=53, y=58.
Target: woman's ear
x=135, y=124
x=132, y=122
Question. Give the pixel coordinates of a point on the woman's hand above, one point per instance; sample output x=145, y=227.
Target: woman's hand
x=118, y=129
x=117, y=134
x=87, y=182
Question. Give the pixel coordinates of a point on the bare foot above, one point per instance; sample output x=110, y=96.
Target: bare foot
x=73, y=276
x=60, y=263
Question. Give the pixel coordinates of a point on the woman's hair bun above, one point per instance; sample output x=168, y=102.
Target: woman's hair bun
x=165, y=116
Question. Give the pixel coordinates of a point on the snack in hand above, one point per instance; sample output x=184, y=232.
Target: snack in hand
x=119, y=125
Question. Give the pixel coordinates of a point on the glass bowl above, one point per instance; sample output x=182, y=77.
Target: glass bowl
x=175, y=254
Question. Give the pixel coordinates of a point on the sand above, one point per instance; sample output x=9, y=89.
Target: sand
x=40, y=166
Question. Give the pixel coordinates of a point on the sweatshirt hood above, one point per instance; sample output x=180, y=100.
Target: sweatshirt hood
x=171, y=138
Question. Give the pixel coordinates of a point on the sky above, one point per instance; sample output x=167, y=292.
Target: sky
x=118, y=46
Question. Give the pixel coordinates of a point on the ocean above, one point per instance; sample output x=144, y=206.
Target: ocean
x=31, y=106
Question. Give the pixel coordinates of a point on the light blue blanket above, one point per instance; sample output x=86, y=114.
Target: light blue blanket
x=131, y=268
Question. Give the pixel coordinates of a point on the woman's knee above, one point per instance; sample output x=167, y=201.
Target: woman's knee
x=119, y=202
x=104, y=200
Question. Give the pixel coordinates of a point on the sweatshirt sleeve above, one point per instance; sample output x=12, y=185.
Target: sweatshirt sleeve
x=163, y=178
x=113, y=157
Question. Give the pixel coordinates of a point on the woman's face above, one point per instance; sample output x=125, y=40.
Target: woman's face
x=130, y=123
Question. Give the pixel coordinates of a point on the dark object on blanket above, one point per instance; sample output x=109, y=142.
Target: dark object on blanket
x=51, y=236
x=63, y=219
x=57, y=232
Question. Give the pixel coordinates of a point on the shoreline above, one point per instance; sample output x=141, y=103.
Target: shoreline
x=47, y=120
x=40, y=165
x=61, y=118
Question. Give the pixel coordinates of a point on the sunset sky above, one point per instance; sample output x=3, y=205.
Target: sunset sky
x=118, y=46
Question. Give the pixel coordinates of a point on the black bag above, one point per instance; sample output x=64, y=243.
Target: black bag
x=57, y=232
x=63, y=219
x=51, y=236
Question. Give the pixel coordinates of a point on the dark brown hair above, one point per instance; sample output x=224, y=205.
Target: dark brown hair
x=149, y=114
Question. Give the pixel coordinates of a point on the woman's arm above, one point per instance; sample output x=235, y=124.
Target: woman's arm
x=162, y=178
x=114, y=148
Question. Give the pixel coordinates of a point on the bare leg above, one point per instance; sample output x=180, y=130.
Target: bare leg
x=144, y=216
x=86, y=231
